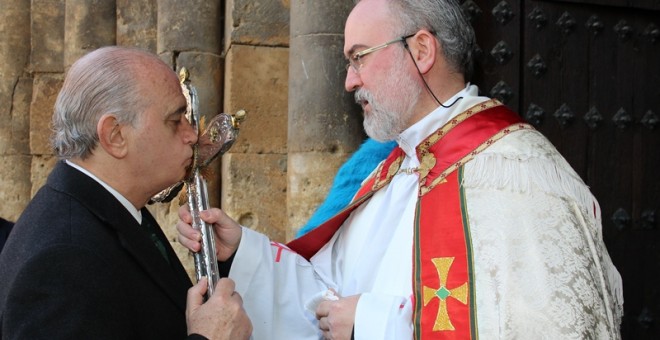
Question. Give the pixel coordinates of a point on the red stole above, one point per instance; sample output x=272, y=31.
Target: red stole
x=442, y=282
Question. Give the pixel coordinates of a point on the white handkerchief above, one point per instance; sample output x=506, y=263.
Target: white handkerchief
x=326, y=295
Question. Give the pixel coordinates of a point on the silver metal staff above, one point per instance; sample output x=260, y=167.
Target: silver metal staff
x=219, y=135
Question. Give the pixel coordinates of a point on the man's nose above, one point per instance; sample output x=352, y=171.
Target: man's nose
x=353, y=80
x=189, y=133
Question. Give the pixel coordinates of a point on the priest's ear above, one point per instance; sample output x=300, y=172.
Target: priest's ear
x=112, y=136
x=424, y=49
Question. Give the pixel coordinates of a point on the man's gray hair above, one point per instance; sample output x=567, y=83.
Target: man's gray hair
x=445, y=18
x=101, y=82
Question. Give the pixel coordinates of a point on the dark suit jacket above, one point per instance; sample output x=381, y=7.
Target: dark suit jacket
x=5, y=228
x=78, y=266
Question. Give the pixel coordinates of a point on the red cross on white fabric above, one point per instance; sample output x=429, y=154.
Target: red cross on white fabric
x=279, y=247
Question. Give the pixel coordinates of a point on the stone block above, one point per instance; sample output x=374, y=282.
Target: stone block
x=89, y=24
x=137, y=22
x=254, y=192
x=44, y=94
x=41, y=167
x=310, y=177
x=260, y=22
x=257, y=81
x=167, y=58
x=193, y=25
x=14, y=185
x=15, y=41
x=47, y=35
x=6, y=133
x=14, y=131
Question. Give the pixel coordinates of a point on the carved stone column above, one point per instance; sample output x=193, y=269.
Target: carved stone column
x=324, y=127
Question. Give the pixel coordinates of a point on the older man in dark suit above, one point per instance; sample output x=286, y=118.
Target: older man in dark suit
x=86, y=260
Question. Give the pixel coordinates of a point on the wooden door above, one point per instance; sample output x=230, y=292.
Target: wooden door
x=586, y=73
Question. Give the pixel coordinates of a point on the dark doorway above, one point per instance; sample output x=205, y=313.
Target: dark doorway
x=586, y=73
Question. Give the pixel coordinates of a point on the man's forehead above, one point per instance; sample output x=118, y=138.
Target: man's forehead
x=368, y=23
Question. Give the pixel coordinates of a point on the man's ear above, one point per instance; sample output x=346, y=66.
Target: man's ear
x=112, y=136
x=424, y=47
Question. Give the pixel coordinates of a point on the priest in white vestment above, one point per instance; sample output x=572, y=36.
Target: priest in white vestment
x=534, y=261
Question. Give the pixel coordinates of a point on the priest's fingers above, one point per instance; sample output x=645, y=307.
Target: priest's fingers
x=188, y=236
x=324, y=327
x=227, y=231
x=218, y=218
x=337, y=317
x=184, y=214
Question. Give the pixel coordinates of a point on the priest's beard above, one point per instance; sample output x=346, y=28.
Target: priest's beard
x=391, y=105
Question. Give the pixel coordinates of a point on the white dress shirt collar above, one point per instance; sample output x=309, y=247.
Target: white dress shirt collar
x=137, y=214
x=412, y=136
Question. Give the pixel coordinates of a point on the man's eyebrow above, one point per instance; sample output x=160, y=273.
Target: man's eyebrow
x=181, y=110
x=353, y=50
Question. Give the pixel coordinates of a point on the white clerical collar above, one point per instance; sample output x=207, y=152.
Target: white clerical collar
x=137, y=214
x=412, y=136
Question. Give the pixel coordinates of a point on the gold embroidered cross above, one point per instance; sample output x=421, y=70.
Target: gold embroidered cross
x=442, y=321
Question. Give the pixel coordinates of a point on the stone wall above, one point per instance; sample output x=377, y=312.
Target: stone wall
x=300, y=124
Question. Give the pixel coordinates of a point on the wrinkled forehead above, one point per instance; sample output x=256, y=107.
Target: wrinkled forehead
x=369, y=23
x=159, y=84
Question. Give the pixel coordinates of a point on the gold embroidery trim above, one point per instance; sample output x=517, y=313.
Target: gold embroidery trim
x=442, y=177
x=428, y=160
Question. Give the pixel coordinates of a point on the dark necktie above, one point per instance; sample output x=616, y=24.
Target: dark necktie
x=151, y=231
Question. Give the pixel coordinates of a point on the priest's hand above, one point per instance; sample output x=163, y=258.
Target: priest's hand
x=222, y=316
x=227, y=231
x=336, y=318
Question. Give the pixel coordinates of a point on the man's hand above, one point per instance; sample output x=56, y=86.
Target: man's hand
x=227, y=231
x=222, y=316
x=336, y=318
